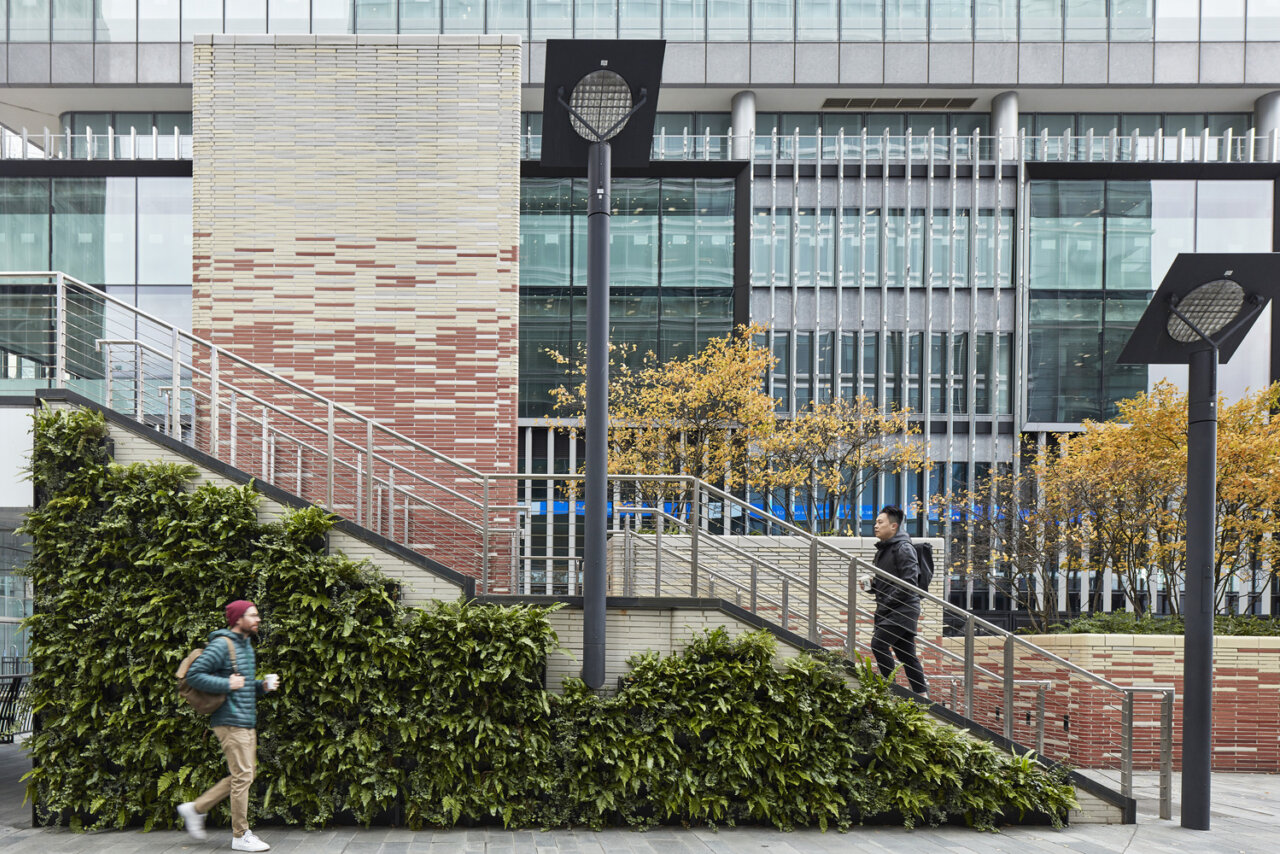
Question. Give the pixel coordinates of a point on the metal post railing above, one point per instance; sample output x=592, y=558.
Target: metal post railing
x=329, y=447
x=175, y=398
x=695, y=528
x=1007, y=675
x=851, y=612
x=1166, y=755
x=813, y=591
x=1126, y=745
x=60, y=332
x=968, y=665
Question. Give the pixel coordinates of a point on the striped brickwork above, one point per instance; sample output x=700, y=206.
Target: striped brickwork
x=356, y=228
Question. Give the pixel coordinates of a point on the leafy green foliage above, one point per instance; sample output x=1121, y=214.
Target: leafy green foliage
x=1125, y=622
x=430, y=716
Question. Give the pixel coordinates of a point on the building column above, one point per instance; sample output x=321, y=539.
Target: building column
x=743, y=121
x=1004, y=122
x=1266, y=119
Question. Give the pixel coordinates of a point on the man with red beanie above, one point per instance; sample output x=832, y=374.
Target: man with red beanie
x=218, y=671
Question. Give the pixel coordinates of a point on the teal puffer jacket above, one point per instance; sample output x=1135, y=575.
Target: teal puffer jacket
x=211, y=673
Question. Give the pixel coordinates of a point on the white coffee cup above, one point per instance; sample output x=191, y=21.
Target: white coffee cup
x=271, y=681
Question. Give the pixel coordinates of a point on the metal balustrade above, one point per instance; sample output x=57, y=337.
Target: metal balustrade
x=673, y=535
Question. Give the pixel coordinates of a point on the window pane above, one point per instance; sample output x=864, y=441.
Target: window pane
x=29, y=20
x=1041, y=20
x=552, y=19
x=545, y=240
x=73, y=20
x=862, y=20
x=633, y=235
x=93, y=229
x=246, y=16
x=1087, y=20
x=160, y=20
x=684, y=20
x=906, y=21
x=1222, y=20
x=1132, y=20
x=372, y=16
x=164, y=231
x=817, y=20
x=1178, y=20
x=727, y=20
x=950, y=20
x=201, y=18
x=771, y=20
x=595, y=19
x=640, y=19
x=997, y=20
x=331, y=16
x=24, y=224
x=1066, y=234
x=508, y=16
x=172, y=304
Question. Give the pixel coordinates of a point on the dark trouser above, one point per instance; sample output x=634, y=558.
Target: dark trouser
x=889, y=639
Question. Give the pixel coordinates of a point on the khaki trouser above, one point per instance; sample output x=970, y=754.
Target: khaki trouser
x=240, y=744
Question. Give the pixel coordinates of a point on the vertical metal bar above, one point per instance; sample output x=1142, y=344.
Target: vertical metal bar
x=628, y=556
x=1126, y=745
x=1166, y=755
x=138, y=414
x=107, y=372
x=266, y=440
x=657, y=551
x=328, y=500
x=59, y=331
x=968, y=666
x=786, y=604
x=695, y=520
x=484, y=534
x=215, y=420
x=851, y=612
x=755, y=586
x=813, y=590
x=1040, y=692
x=175, y=400
x=391, y=517
x=368, y=472
x=231, y=419
x=1008, y=686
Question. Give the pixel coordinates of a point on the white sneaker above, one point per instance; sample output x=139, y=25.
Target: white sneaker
x=248, y=842
x=193, y=821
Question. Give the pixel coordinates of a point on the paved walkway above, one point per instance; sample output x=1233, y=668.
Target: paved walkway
x=1246, y=820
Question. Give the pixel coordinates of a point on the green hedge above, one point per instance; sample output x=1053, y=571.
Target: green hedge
x=435, y=716
x=1128, y=623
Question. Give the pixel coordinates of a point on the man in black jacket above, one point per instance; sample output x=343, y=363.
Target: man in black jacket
x=897, y=607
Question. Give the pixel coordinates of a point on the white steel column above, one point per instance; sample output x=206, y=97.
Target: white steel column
x=743, y=122
x=1004, y=123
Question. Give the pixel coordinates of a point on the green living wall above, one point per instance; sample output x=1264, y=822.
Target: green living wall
x=436, y=716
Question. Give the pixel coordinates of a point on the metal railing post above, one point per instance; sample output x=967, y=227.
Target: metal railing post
x=1040, y=692
x=755, y=586
x=695, y=523
x=214, y=419
x=266, y=429
x=328, y=500
x=851, y=613
x=59, y=332
x=657, y=554
x=1166, y=755
x=786, y=604
x=175, y=399
x=368, y=472
x=232, y=411
x=813, y=590
x=106, y=373
x=137, y=385
x=968, y=666
x=484, y=537
x=1126, y=745
x=627, y=556
x=1008, y=686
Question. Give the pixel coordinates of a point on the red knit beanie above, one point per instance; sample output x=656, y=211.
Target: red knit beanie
x=236, y=610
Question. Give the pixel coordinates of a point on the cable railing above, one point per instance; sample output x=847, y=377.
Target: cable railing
x=67, y=334
x=1250, y=146
x=517, y=533
x=679, y=536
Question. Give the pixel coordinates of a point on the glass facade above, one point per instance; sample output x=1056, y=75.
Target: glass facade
x=1097, y=250
x=679, y=20
x=15, y=590
x=671, y=277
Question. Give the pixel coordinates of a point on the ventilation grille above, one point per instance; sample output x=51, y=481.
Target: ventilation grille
x=898, y=103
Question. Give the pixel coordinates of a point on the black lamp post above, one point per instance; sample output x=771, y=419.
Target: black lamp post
x=598, y=94
x=1199, y=315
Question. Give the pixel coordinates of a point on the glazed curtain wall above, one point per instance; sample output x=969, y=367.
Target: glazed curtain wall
x=671, y=278
x=1097, y=250
x=681, y=20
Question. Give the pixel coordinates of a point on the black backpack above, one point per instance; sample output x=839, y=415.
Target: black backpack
x=924, y=555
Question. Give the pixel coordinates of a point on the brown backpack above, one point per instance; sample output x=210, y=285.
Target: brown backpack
x=203, y=702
